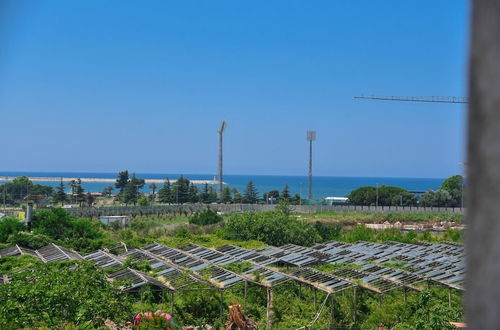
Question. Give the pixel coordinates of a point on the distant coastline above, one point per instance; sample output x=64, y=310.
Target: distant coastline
x=323, y=186
x=100, y=180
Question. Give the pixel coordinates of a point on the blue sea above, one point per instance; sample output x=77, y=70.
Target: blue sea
x=323, y=186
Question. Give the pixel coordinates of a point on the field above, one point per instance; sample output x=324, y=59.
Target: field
x=295, y=303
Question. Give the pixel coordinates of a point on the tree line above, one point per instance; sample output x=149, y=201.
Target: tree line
x=449, y=194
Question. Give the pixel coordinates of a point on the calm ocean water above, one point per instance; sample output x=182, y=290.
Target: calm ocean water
x=323, y=186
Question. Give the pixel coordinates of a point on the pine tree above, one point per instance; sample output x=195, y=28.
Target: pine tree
x=237, y=198
x=250, y=196
x=59, y=194
x=180, y=190
x=193, y=195
x=79, y=192
x=122, y=180
x=226, y=195
x=285, y=194
x=165, y=193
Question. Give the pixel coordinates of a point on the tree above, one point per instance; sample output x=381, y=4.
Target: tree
x=79, y=192
x=206, y=217
x=436, y=198
x=10, y=226
x=122, y=180
x=250, y=196
x=59, y=195
x=387, y=196
x=454, y=186
x=165, y=193
x=181, y=191
x=193, y=195
x=286, y=192
x=153, y=187
x=205, y=194
x=22, y=186
x=237, y=198
x=226, y=195
x=107, y=191
x=143, y=200
x=129, y=193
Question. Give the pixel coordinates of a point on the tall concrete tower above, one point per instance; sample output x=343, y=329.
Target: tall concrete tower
x=221, y=130
x=311, y=136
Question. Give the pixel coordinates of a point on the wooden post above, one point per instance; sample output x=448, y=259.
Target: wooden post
x=270, y=309
x=404, y=295
x=172, y=302
x=380, y=300
x=449, y=297
x=222, y=306
x=355, y=308
x=245, y=297
x=332, y=311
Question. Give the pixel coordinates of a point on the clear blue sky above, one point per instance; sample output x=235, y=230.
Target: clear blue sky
x=100, y=86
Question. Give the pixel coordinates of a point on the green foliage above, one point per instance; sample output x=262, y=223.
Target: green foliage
x=328, y=232
x=58, y=224
x=58, y=293
x=141, y=265
x=454, y=186
x=59, y=195
x=206, y=217
x=22, y=186
x=29, y=240
x=121, y=180
x=143, y=201
x=10, y=226
x=180, y=191
x=387, y=196
x=274, y=228
x=165, y=193
x=250, y=196
x=12, y=265
x=437, y=198
x=226, y=195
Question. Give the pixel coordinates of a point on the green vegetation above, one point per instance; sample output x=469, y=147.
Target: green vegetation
x=382, y=196
x=20, y=187
x=57, y=294
x=352, y=218
x=207, y=217
x=55, y=305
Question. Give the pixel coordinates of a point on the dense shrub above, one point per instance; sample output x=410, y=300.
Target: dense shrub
x=59, y=224
x=56, y=294
x=206, y=217
x=10, y=226
x=29, y=240
x=274, y=228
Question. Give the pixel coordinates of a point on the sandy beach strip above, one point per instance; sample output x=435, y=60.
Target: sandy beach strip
x=104, y=180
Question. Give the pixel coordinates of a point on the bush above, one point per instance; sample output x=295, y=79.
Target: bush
x=58, y=224
x=274, y=228
x=29, y=240
x=58, y=293
x=10, y=226
x=207, y=217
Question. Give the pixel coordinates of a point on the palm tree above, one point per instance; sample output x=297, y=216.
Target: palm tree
x=153, y=187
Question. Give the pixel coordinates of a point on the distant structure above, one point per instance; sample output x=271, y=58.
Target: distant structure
x=433, y=99
x=221, y=130
x=311, y=136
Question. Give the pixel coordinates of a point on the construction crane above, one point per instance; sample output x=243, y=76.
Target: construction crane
x=435, y=99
